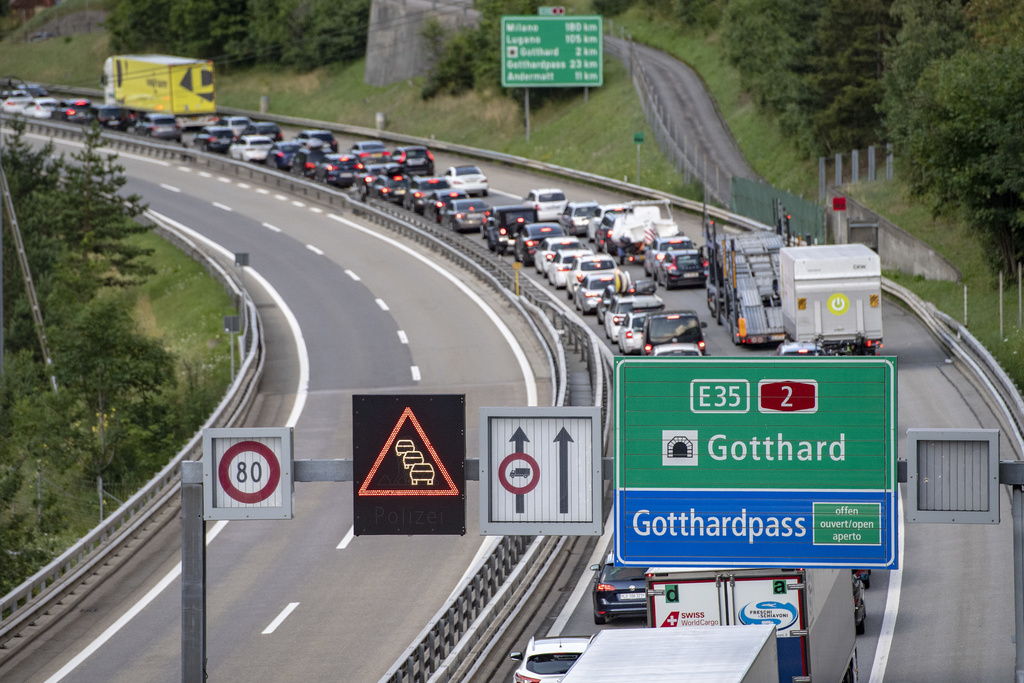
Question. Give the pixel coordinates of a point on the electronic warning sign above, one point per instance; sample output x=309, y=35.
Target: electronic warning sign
x=409, y=464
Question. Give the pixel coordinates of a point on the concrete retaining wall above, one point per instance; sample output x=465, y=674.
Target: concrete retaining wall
x=898, y=249
x=395, y=50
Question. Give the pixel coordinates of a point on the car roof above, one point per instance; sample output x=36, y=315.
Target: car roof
x=557, y=644
x=261, y=139
x=681, y=347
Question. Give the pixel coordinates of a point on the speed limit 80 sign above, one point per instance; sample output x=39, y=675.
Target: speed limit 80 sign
x=247, y=473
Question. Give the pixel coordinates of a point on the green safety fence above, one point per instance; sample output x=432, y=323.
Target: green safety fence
x=755, y=200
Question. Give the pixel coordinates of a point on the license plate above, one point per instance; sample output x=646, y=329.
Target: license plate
x=632, y=596
x=691, y=274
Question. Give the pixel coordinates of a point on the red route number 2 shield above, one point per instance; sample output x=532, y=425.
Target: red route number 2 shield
x=247, y=473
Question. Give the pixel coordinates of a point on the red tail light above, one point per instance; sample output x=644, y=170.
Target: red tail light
x=503, y=231
x=459, y=216
x=429, y=155
x=331, y=167
x=700, y=344
x=439, y=204
x=629, y=334
x=530, y=243
x=604, y=587
x=647, y=349
x=310, y=164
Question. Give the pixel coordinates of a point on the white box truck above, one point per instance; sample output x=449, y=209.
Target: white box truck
x=832, y=296
x=812, y=611
x=726, y=654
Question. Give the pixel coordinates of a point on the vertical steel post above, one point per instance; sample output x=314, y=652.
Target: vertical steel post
x=871, y=163
x=855, y=166
x=839, y=170
x=1017, y=511
x=526, y=108
x=821, y=179
x=193, y=574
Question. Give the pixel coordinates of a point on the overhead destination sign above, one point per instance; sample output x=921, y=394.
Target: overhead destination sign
x=551, y=51
x=788, y=462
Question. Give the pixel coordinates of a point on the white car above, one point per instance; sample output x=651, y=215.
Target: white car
x=548, y=247
x=469, y=179
x=548, y=202
x=621, y=306
x=595, y=221
x=251, y=148
x=679, y=349
x=547, y=660
x=16, y=102
x=583, y=266
x=237, y=124
x=558, y=269
x=631, y=334
x=42, y=107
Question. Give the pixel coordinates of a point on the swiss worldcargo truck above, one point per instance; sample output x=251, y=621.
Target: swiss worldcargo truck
x=812, y=611
x=162, y=84
x=832, y=296
x=719, y=654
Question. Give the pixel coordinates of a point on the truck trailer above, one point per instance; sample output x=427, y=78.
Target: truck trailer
x=832, y=296
x=719, y=654
x=743, y=286
x=812, y=611
x=162, y=84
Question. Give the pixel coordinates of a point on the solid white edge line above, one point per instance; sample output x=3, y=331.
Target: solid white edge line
x=585, y=579
x=268, y=226
x=172, y=188
x=892, y=608
x=348, y=538
x=130, y=614
x=381, y=303
x=517, y=350
x=318, y=252
x=280, y=618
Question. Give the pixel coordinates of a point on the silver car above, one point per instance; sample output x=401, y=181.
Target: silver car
x=557, y=271
x=589, y=290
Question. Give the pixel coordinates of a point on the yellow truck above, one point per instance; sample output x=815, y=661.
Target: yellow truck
x=162, y=84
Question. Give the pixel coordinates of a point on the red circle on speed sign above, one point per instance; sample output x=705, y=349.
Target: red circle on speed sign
x=224, y=472
x=508, y=485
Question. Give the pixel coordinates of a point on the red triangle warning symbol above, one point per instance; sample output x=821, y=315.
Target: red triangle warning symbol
x=422, y=469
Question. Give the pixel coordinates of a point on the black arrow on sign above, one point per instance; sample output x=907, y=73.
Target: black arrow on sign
x=519, y=439
x=563, y=440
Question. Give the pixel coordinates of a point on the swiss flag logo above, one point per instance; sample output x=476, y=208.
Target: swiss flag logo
x=671, y=621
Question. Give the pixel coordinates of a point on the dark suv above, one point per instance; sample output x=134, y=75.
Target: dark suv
x=305, y=161
x=414, y=160
x=529, y=236
x=420, y=187
x=503, y=224
x=339, y=170
x=672, y=327
x=214, y=139
x=618, y=591
x=112, y=116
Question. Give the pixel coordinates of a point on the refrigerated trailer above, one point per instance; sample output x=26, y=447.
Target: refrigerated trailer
x=162, y=84
x=812, y=611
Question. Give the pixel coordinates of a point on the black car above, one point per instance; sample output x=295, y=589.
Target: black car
x=340, y=170
x=414, y=160
x=438, y=200
x=618, y=592
x=325, y=137
x=464, y=215
x=503, y=224
x=305, y=161
x=365, y=177
x=673, y=327
x=418, y=189
x=282, y=154
x=111, y=116
x=77, y=110
x=682, y=267
x=214, y=139
x=389, y=185
x=529, y=236
x=266, y=128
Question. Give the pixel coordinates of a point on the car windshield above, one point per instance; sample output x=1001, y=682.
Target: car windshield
x=513, y=216
x=599, y=264
x=363, y=146
x=586, y=211
x=467, y=170
x=678, y=328
x=552, y=196
x=596, y=282
x=613, y=573
x=552, y=663
x=326, y=136
x=682, y=260
x=637, y=322
x=416, y=153
x=467, y=205
x=434, y=184
x=163, y=120
x=286, y=146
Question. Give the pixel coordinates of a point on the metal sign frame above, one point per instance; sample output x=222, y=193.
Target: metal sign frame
x=756, y=462
x=270, y=449
x=954, y=471
x=563, y=440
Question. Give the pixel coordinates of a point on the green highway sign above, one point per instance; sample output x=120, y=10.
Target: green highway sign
x=551, y=51
x=756, y=462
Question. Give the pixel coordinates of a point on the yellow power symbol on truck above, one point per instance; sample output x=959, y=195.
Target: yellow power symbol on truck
x=838, y=304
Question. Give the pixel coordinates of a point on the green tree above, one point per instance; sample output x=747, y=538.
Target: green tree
x=208, y=30
x=140, y=26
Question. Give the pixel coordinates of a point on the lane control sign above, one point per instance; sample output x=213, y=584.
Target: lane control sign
x=409, y=464
x=247, y=473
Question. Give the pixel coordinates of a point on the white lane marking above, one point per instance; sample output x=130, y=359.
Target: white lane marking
x=280, y=197
x=172, y=188
x=583, y=584
x=244, y=186
x=415, y=373
x=318, y=252
x=204, y=174
x=892, y=608
x=223, y=206
x=382, y=304
x=280, y=618
x=262, y=190
x=348, y=538
x=130, y=614
x=185, y=169
x=316, y=209
x=302, y=390
x=268, y=226
x=352, y=275
x=298, y=204
x=517, y=350
x=402, y=337
x=222, y=179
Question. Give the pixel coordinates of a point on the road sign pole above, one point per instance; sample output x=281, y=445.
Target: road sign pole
x=526, y=108
x=638, y=164
x=193, y=574
x=1017, y=511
